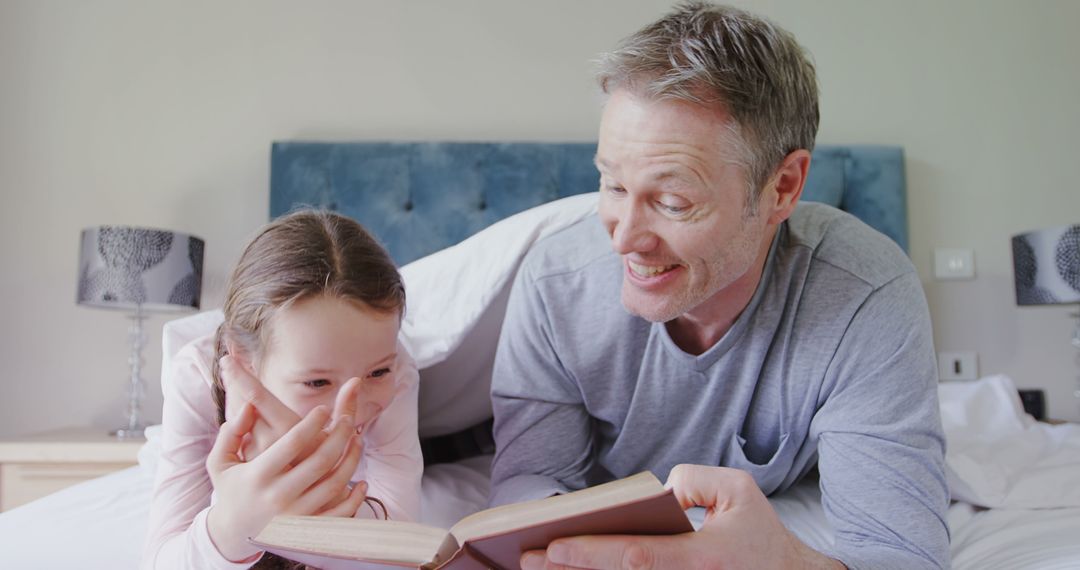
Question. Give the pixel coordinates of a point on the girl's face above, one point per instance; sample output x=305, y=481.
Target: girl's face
x=317, y=344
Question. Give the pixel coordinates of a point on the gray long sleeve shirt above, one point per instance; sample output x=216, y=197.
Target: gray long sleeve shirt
x=831, y=363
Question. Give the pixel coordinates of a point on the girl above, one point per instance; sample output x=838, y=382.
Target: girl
x=312, y=312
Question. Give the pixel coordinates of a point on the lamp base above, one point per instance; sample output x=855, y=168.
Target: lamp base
x=1076, y=345
x=137, y=432
x=135, y=426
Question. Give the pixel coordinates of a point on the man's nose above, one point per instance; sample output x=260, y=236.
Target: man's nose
x=630, y=230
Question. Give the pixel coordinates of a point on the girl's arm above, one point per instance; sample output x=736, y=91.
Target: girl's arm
x=393, y=464
x=197, y=457
x=177, y=536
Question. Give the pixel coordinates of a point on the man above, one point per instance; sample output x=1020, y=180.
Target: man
x=706, y=318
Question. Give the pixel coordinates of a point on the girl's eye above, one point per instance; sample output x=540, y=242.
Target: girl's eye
x=380, y=373
x=319, y=383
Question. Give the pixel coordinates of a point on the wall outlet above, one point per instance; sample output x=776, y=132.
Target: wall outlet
x=954, y=263
x=958, y=365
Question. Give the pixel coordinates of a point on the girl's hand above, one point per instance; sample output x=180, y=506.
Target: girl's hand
x=281, y=480
x=273, y=418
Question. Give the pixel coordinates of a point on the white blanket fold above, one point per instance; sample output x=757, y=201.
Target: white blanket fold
x=456, y=301
x=999, y=456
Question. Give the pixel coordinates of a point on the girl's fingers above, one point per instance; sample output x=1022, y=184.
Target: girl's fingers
x=263, y=435
x=323, y=461
x=351, y=503
x=348, y=463
x=328, y=490
x=226, y=451
x=232, y=404
x=247, y=445
x=346, y=402
x=241, y=386
x=285, y=451
x=332, y=492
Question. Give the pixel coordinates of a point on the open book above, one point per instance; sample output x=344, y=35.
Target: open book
x=494, y=538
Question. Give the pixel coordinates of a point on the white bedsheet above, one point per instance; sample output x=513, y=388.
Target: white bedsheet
x=97, y=524
x=101, y=523
x=1008, y=539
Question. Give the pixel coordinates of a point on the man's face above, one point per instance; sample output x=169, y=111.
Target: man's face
x=674, y=205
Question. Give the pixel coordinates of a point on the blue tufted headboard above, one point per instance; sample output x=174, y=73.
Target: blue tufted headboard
x=421, y=197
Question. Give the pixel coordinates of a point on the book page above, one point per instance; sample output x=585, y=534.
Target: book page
x=356, y=539
x=508, y=517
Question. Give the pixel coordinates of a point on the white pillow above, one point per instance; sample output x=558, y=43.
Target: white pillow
x=456, y=302
x=178, y=332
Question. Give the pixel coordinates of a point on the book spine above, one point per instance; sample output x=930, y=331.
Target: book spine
x=484, y=562
x=467, y=558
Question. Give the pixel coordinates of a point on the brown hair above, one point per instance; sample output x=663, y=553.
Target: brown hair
x=710, y=54
x=297, y=256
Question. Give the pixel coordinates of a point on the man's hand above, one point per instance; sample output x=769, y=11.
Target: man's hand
x=741, y=530
x=273, y=419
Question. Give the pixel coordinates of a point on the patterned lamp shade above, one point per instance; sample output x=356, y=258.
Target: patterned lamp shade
x=1046, y=266
x=137, y=268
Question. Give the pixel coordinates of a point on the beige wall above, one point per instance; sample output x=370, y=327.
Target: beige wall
x=161, y=114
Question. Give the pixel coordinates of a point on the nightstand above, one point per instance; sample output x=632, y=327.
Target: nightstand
x=36, y=465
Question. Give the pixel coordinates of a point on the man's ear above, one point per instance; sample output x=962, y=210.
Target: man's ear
x=786, y=185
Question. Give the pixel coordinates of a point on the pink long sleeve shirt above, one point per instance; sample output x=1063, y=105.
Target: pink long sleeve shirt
x=177, y=536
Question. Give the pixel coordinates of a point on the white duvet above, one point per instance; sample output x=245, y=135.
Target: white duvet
x=999, y=456
x=101, y=523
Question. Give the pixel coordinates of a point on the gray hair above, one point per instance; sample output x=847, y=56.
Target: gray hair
x=709, y=54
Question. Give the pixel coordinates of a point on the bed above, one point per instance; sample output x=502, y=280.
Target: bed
x=458, y=216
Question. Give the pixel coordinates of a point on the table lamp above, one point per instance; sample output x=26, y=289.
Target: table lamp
x=140, y=271
x=1046, y=268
